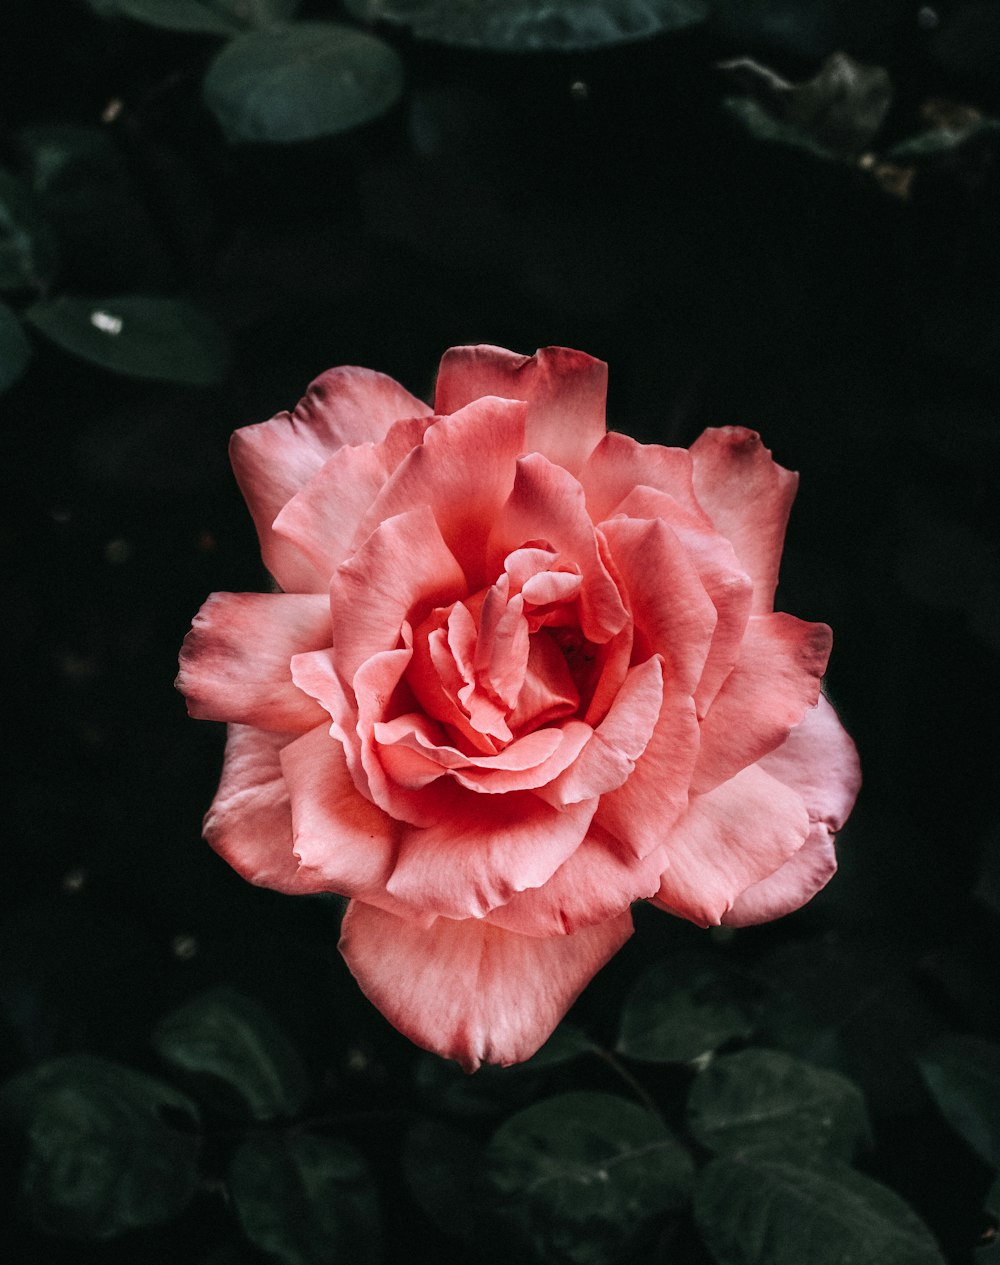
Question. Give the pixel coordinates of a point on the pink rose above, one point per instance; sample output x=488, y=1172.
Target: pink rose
x=521, y=674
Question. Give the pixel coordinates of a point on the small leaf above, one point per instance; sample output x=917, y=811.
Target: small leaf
x=939, y=141
x=27, y=247
x=209, y=17
x=299, y=81
x=440, y=1164
x=139, y=336
x=760, y=1098
x=308, y=1200
x=584, y=1175
x=680, y=1009
x=963, y=1075
x=758, y=1209
x=232, y=1039
x=15, y=350
x=519, y=26
x=102, y=1153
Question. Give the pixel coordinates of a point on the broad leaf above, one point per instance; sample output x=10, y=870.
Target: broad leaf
x=760, y=1098
x=27, y=247
x=299, y=81
x=757, y=1209
x=139, y=336
x=15, y=350
x=232, y=1039
x=584, y=1175
x=107, y=1149
x=963, y=1074
x=440, y=1164
x=210, y=17
x=307, y=1200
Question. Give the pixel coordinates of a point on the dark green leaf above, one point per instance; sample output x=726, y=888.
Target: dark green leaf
x=809, y=30
x=232, y=1039
x=963, y=1074
x=680, y=1009
x=27, y=247
x=211, y=17
x=758, y=1209
x=102, y=1151
x=140, y=336
x=766, y=1098
x=308, y=1200
x=15, y=350
x=583, y=1175
x=568, y=1042
x=440, y=1164
x=300, y=81
x=937, y=141
x=534, y=25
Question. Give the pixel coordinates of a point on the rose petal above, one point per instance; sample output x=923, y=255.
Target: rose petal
x=619, y=463
x=274, y=459
x=235, y=664
x=565, y=392
x=467, y=990
x=820, y=761
x=789, y=887
x=748, y=497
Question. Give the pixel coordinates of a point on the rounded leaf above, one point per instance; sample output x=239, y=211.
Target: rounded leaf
x=138, y=336
x=210, y=17
x=963, y=1075
x=297, y=81
x=15, y=350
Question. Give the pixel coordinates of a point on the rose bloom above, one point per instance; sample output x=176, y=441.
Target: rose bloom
x=521, y=673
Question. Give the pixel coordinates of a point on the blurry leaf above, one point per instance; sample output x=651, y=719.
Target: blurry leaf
x=963, y=1075
x=140, y=336
x=212, y=17
x=566, y=1043
x=940, y=140
x=680, y=1009
x=766, y=1098
x=440, y=1164
x=15, y=350
x=300, y=81
x=837, y=113
x=307, y=1200
x=583, y=1174
x=102, y=1155
x=27, y=247
x=228, y=1036
x=809, y=30
x=757, y=1209
x=519, y=26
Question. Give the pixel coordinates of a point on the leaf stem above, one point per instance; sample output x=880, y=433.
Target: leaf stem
x=624, y=1074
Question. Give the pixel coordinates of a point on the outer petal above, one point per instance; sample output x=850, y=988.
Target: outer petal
x=774, y=684
x=743, y=831
x=789, y=888
x=619, y=463
x=470, y=991
x=748, y=497
x=250, y=821
x=565, y=392
x=235, y=664
x=274, y=459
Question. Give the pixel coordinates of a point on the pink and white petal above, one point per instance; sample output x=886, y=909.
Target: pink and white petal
x=608, y=759
x=619, y=463
x=399, y=574
x=464, y=471
x=469, y=991
x=481, y=849
x=250, y=821
x=235, y=663
x=820, y=761
x=565, y=392
x=774, y=684
x=597, y=883
x=275, y=459
x=748, y=497
x=789, y=888
x=547, y=503
x=741, y=832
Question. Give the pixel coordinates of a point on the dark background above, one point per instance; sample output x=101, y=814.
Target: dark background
x=732, y=266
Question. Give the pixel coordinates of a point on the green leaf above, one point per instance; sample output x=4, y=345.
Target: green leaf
x=760, y=1098
x=15, y=350
x=963, y=1075
x=566, y=1043
x=758, y=1209
x=308, y=1200
x=232, y=1039
x=584, y=1175
x=210, y=17
x=517, y=26
x=938, y=141
x=300, y=81
x=680, y=1009
x=27, y=246
x=139, y=336
x=440, y=1164
x=102, y=1151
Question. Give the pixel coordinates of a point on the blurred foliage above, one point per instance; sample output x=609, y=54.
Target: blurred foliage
x=768, y=212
